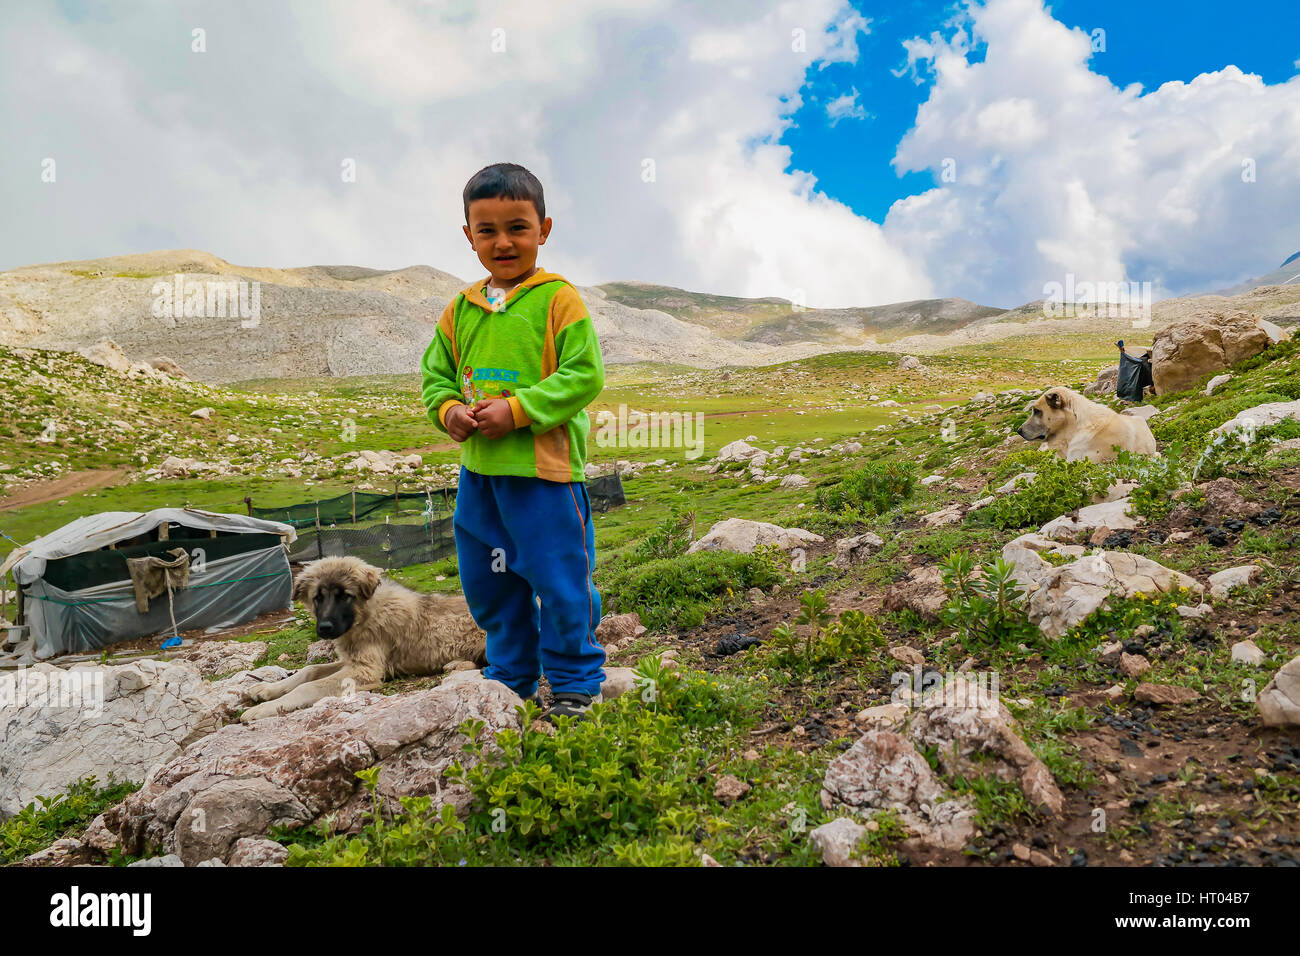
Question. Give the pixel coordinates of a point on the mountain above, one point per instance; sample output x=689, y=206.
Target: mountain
x=773, y=321
x=1288, y=273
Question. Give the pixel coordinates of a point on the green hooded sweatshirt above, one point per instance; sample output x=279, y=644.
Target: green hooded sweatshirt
x=540, y=353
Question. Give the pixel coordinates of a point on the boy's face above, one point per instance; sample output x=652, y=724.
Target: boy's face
x=505, y=234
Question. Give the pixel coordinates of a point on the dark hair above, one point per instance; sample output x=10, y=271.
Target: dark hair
x=505, y=181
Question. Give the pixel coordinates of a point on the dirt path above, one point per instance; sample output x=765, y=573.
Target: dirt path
x=72, y=484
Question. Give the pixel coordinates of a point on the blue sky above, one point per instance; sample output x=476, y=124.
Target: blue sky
x=664, y=132
x=1146, y=42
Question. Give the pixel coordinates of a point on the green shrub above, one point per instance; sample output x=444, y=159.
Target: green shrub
x=47, y=819
x=825, y=641
x=988, y=608
x=669, y=539
x=872, y=489
x=677, y=593
x=1061, y=487
x=627, y=782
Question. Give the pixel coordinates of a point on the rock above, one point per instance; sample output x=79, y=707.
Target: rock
x=1144, y=412
x=162, y=363
x=1115, y=515
x=974, y=735
x=794, y=481
x=252, y=851
x=743, y=535
x=884, y=771
x=64, y=852
x=729, y=789
x=1068, y=594
x=618, y=627
x=1222, y=500
x=107, y=353
x=618, y=681
x=838, y=841
x=171, y=859
x=1215, y=382
x=293, y=769
x=907, y=655
x=1019, y=481
x=321, y=651
x=99, y=837
x=1133, y=665
x=738, y=451
x=1196, y=613
x=121, y=719
x=1247, y=652
x=929, y=480
x=1241, y=576
x=1039, y=858
x=1183, y=352
x=909, y=363
x=756, y=596
x=922, y=593
x=1024, y=554
x=952, y=514
x=1279, y=702
x=204, y=413
x=855, y=550
x=1020, y=852
x=1106, y=384
x=214, y=658
x=1111, y=652
x=1113, y=692
x=1261, y=416
x=882, y=717
x=1165, y=694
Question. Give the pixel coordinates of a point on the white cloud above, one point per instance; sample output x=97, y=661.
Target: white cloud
x=845, y=107
x=1059, y=171
x=238, y=150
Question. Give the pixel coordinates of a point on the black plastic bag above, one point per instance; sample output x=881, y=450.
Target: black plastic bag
x=1134, y=376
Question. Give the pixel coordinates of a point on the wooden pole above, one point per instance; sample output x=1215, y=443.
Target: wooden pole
x=397, y=504
x=248, y=503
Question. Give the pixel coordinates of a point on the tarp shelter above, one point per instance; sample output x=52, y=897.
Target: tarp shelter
x=77, y=593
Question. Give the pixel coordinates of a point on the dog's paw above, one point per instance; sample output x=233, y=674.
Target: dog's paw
x=260, y=693
x=268, y=709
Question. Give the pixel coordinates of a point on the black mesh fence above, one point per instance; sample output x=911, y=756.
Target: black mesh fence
x=358, y=506
x=383, y=545
x=416, y=527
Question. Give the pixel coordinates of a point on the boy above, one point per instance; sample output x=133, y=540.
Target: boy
x=510, y=371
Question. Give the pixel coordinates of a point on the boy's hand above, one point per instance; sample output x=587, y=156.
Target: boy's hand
x=494, y=417
x=461, y=422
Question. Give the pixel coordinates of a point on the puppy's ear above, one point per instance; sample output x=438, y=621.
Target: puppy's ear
x=302, y=587
x=369, y=582
x=1055, y=400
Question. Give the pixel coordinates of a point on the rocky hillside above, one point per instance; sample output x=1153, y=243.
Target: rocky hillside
x=924, y=643
x=347, y=320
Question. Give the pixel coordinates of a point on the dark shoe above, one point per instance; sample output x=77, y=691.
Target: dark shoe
x=570, y=704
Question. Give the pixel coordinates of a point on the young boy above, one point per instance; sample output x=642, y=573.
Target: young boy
x=509, y=374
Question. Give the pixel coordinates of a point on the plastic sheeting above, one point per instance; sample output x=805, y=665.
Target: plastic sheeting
x=226, y=592
x=92, y=532
x=1134, y=376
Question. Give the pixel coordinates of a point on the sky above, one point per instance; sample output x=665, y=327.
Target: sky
x=829, y=152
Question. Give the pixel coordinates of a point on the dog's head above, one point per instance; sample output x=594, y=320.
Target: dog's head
x=1050, y=414
x=335, y=590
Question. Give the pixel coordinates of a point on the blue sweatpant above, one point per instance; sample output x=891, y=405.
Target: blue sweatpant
x=547, y=549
